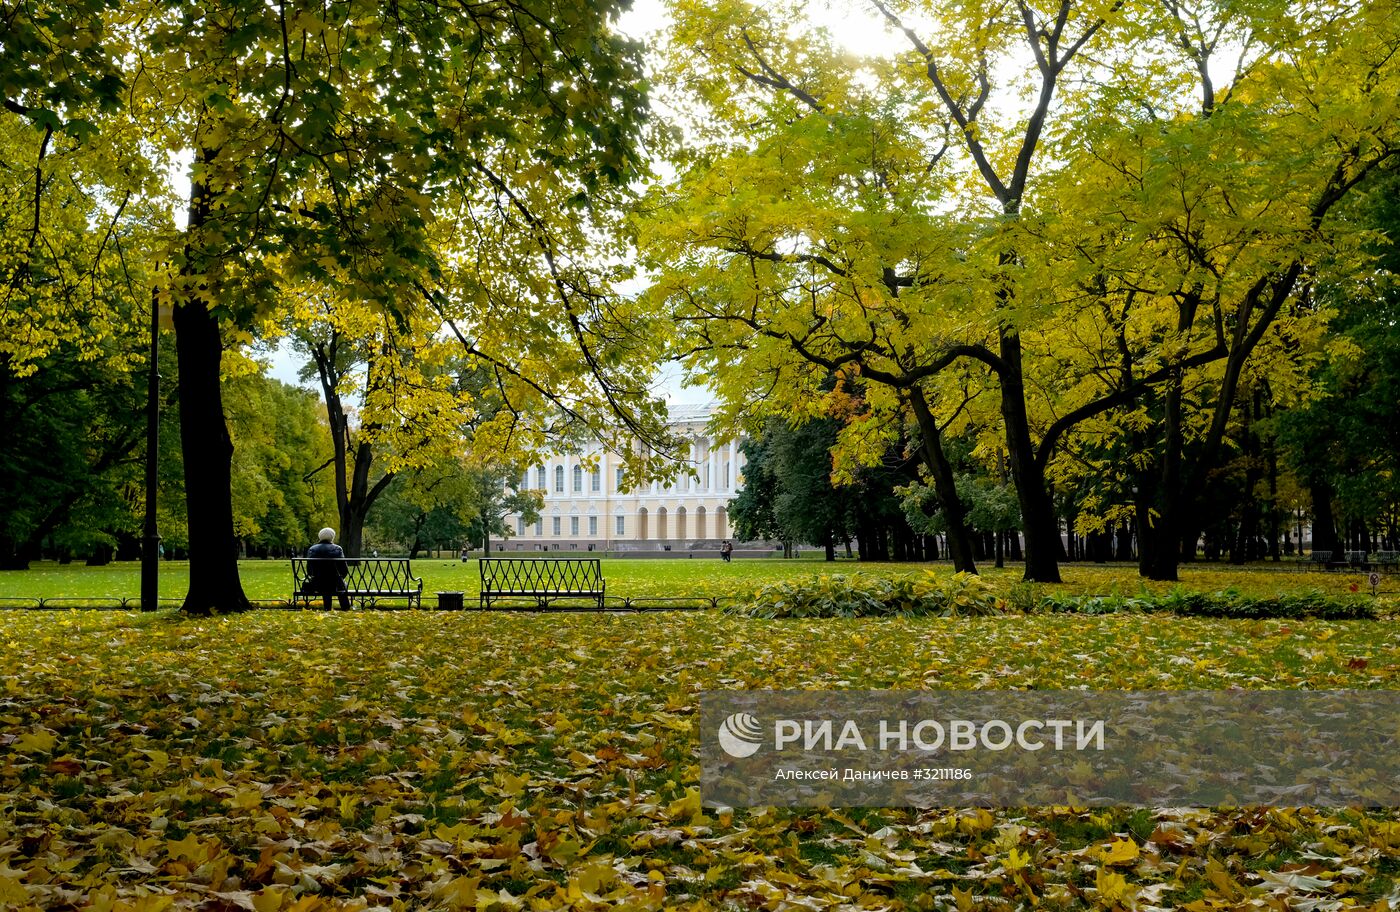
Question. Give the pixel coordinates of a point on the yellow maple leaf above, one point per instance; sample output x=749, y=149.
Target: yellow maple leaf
x=1121, y=851
x=12, y=892
x=187, y=849
x=1113, y=888
x=269, y=899
x=39, y=741
x=460, y=892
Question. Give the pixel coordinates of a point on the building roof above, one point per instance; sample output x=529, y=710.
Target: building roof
x=690, y=412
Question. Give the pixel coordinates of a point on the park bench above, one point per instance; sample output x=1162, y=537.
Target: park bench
x=1387, y=560
x=541, y=582
x=1320, y=559
x=367, y=580
x=1355, y=560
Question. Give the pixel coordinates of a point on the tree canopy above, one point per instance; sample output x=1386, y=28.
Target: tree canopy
x=1111, y=215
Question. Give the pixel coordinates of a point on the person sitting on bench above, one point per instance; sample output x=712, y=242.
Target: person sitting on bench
x=327, y=576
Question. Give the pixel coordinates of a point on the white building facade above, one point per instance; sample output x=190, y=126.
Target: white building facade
x=585, y=508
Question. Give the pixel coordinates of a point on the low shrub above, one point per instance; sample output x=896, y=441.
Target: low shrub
x=967, y=595
x=1227, y=603
x=841, y=596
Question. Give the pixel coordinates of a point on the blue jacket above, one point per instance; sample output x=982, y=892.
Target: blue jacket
x=321, y=572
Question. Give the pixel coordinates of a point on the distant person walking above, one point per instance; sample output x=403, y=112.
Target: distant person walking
x=726, y=551
x=327, y=569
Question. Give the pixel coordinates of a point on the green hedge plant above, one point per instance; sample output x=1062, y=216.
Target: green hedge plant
x=966, y=595
x=841, y=596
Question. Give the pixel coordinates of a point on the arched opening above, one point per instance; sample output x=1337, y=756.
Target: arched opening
x=721, y=523
x=699, y=522
x=680, y=523
x=661, y=523
x=642, y=532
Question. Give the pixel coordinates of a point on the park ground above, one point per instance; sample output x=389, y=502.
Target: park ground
x=280, y=760
x=271, y=580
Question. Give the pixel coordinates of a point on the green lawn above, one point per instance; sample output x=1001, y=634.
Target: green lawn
x=271, y=579
x=276, y=761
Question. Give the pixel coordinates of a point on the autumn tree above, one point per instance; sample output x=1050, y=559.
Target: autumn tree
x=321, y=139
x=77, y=230
x=280, y=441
x=854, y=266
x=1202, y=230
x=497, y=494
x=1343, y=444
x=902, y=219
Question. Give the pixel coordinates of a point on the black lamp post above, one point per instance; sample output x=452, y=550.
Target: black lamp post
x=150, y=547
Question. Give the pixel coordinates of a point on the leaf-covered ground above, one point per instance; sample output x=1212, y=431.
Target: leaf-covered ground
x=279, y=760
x=272, y=579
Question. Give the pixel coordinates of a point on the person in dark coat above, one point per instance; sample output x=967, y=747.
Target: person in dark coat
x=328, y=573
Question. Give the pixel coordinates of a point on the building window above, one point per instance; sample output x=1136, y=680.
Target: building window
x=573, y=525
x=559, y=479
x=592, y=525
x=556, y=525
x=617, y=485
x=539, y=523
x=540, y=479
x=596, y=484
x=622, y=525
x=578, y=479
x=520, y=525
x=726, y=476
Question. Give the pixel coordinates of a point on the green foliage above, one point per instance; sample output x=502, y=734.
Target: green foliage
x=840, y=596
x=792, y=496
x=280, y=495
x=498, y=495
x=991, y=506
x=73, y=431
x=55, y=63
x=1226, y=603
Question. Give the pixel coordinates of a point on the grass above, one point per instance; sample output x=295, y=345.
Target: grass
x=512, y=761
x=271, y=579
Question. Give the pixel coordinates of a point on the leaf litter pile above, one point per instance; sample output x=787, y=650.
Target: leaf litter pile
x=300, y=761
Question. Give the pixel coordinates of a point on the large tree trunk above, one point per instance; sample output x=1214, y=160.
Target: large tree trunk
x=17, y=555
x=1324, y=522
x=1042, y=528
x=204, y=438
x=944, y=486
x=1160, y=503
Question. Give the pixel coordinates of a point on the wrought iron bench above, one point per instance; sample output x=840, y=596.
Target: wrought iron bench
x=1387, y=560
x=367, y=579
x=1319, y=559
x=1355, y=560
x=541, y=582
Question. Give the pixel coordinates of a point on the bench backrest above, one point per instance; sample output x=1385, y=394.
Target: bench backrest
x=367, y=574
x=539, y=574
